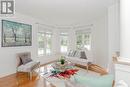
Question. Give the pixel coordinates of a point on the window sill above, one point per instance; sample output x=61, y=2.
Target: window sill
x=44, y=55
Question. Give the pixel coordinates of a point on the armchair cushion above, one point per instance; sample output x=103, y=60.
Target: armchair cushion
x=25, y=58
x=28, y=66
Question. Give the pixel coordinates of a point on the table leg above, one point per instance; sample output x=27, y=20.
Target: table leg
x=44, y=83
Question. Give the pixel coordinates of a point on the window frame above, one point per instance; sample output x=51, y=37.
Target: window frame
x=62, y=34
x=45, y=43
x=82, y=46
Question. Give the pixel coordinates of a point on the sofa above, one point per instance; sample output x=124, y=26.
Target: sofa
x=80, y=57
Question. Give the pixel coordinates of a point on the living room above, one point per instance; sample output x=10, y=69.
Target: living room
x=57, y=27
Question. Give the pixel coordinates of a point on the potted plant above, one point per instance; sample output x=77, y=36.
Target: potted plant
x=62, y=60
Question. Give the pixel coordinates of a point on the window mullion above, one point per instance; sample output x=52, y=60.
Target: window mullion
x=45, y=44
x=83, y=39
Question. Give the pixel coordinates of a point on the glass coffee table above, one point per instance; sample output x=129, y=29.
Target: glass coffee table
x=56, y=82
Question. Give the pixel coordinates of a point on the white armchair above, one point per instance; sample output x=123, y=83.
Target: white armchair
x=26, y=64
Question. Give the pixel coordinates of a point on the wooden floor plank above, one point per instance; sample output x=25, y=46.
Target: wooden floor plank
x=21, y=81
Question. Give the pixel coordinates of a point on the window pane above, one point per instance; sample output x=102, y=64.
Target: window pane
x=79, y=41
x=48, y=43
x=83, y=41
x=64, y=42
x=41, y=43
x=87, y=41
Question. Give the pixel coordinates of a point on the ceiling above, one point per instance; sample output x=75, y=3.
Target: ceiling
x=63, y=12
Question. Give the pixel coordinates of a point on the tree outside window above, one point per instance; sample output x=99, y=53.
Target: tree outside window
x=64, y=42
x=48, y=43
x=41, y=43
x=44, y=43
x=83, y=41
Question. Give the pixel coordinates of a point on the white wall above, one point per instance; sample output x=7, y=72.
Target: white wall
x=100, y=41
x=113, y=33
x=106, y=37
x=123, y=71
x=125, y=29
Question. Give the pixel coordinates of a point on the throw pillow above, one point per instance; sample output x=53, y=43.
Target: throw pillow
x=74, y=53
x=25, y=59
x=83, y=55
x=100, y=81
x=69, y=53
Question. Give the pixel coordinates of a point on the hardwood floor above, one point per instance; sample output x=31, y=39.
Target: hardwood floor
x=21, y=81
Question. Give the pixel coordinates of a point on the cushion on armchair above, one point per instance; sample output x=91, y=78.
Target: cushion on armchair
x=28, y=66
x=25, y=58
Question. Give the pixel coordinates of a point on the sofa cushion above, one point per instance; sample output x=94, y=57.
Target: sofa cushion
x=73, y=53
x=69, y=53
x=77, y=54
x=83, y=55
x=99, y=81
x=77, y=60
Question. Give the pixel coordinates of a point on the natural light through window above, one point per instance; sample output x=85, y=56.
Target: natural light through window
x=44, y=43
x=83, y=40
x=64, y=42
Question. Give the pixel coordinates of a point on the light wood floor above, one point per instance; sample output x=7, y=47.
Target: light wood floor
x=21, y=81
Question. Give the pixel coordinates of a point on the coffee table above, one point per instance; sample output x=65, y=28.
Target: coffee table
x=56, y=82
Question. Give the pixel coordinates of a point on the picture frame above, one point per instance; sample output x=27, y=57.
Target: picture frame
x=16, y=34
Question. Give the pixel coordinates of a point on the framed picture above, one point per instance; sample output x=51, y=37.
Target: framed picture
x=16, y=34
